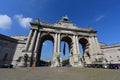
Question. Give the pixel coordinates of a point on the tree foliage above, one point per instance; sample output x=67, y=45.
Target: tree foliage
x=65, y=62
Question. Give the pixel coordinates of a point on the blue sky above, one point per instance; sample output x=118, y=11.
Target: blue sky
x=102, y=15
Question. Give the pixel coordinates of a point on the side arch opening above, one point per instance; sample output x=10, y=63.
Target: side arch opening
x=45, y=51
x=84, y=50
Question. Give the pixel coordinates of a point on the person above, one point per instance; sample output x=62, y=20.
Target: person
x=26, y=59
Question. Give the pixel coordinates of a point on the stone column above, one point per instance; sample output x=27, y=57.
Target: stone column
x=99, y=53
x=58, y=43
x=58, y=49
x=36, y=48
x=77, y=44
x=75, y=54
x=93, y=45
x=37, y=42
x=28, y=40
x=74, y=45
x=54, y=61
x=33, y=40
x=78, y=55
x=91, y=49
x=71, y=59
x=55, y=43
x=90, y=46
x=95, y=49
x=94, y=55
x=97, y=44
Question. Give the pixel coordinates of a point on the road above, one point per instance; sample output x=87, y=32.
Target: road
x=47, y=73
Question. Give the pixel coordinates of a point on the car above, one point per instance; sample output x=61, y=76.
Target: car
x=7, y=66
x=105, y=66
x=114, y=66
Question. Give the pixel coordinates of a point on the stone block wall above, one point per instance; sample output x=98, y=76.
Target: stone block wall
x=111, y=53
x=11, y=48
x=7, y=49
x=19, y=52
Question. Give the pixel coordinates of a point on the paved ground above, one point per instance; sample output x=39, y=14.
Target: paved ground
x=45, y=73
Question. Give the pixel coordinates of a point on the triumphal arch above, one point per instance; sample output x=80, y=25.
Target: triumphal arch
x=63, y=30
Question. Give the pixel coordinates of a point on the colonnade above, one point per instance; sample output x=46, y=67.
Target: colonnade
x=34, y=39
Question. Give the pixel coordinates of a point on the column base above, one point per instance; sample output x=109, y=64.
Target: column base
x=75, y=60
x=57, y=61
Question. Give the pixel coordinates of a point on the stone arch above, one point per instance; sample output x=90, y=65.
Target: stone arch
x=44, y=37
x=85, y=48
x=63, y=30
x=68, y=40
x=83, y=41
x=47, y=35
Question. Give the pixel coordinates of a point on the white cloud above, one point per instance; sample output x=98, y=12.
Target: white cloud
x=100, y=17
x=45, y=44
x=24, y=22
x=5, y=22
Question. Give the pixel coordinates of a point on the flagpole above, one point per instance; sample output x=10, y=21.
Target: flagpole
x=64, y=49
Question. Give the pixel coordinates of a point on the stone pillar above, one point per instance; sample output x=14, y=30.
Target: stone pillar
x=37, y=42
x=28, y=40
x=79, y=54
x=55, y=43
x=33, y=40
x=54, y=60
x=97, y=44
x=58, y=49
x=94, y=45
x=75, y=54
x=73, y=51
x=36, y=46
x=99, y=53
x=56, y=55
x=32, y=48
x=71, y=59
x=77, y=44
x=74, y=45
x=91, y=49
x=90, y=46
x=58, y=43
x=95, y=49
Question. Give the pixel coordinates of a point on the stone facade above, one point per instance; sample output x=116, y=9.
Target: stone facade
x=111, y=53
x=15, y=47
x=63, y=30
x=7, y=49
x=19, y=49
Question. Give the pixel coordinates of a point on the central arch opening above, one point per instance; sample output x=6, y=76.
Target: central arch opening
x=65, y=50
x=65, y=53
x=45, y=53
